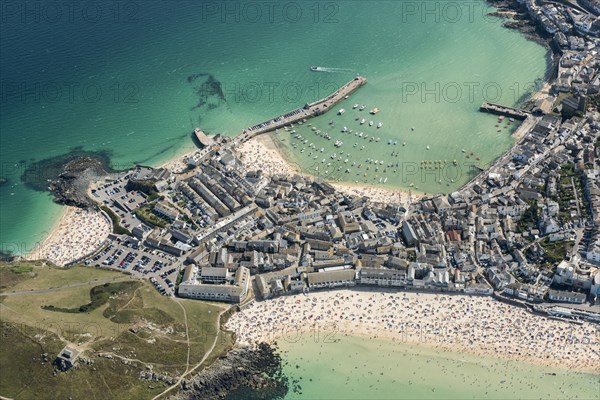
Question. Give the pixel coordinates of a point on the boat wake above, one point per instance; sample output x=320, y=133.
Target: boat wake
x=329, y=69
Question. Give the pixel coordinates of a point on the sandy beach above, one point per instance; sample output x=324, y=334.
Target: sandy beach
x=262, y=152
x=458, y=323
x=77, y=234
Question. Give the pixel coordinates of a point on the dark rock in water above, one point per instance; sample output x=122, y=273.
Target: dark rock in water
x=208, y=90
x=7, y=257
x=243, y=374
x=68, y=176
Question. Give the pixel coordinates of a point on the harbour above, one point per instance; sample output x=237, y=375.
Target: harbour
x=141, y=129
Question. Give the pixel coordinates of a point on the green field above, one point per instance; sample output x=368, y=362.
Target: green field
x=123, y=326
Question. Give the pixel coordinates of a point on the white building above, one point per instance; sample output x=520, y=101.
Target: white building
x=224, y=286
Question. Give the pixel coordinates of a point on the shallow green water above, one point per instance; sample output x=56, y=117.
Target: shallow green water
x=358, y=368
x=138, y=84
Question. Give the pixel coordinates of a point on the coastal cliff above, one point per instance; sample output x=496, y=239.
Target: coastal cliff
x=244, y=373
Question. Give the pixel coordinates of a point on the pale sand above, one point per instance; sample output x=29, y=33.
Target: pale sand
x=77, y=234
x=262, y=153
x=457, y=323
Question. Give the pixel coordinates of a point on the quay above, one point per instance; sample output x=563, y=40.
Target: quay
x=308, y=111
x=497, y=109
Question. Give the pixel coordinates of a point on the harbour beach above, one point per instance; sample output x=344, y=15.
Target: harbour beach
x=262, y=152
x=455, y=323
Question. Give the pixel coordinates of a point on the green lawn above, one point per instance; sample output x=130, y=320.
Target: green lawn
x=128, y=320
x=46, y=277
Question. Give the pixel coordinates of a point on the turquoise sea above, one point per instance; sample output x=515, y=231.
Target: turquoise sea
x=362, y=368
x=134, y=78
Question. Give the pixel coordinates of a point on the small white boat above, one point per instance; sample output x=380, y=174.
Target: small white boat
x=362, y=108
x=427, y=147
x=379, y=125
x=355, y=106
x=341, y=111
x=370, y=123
x=362, y=121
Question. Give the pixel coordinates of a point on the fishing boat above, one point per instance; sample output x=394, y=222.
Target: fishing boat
x=379, y=125
x=370, y=123
x=374, y=111
x=341, y=111
x=355, y=106
x=362, y=121
x=362, y=108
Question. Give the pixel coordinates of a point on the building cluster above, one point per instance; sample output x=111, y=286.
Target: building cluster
x=525, y=229
x=564, y=20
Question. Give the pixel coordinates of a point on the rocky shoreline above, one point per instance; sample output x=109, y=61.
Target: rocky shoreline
x=243, y=373
x=519, y=20
x=68, y=176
